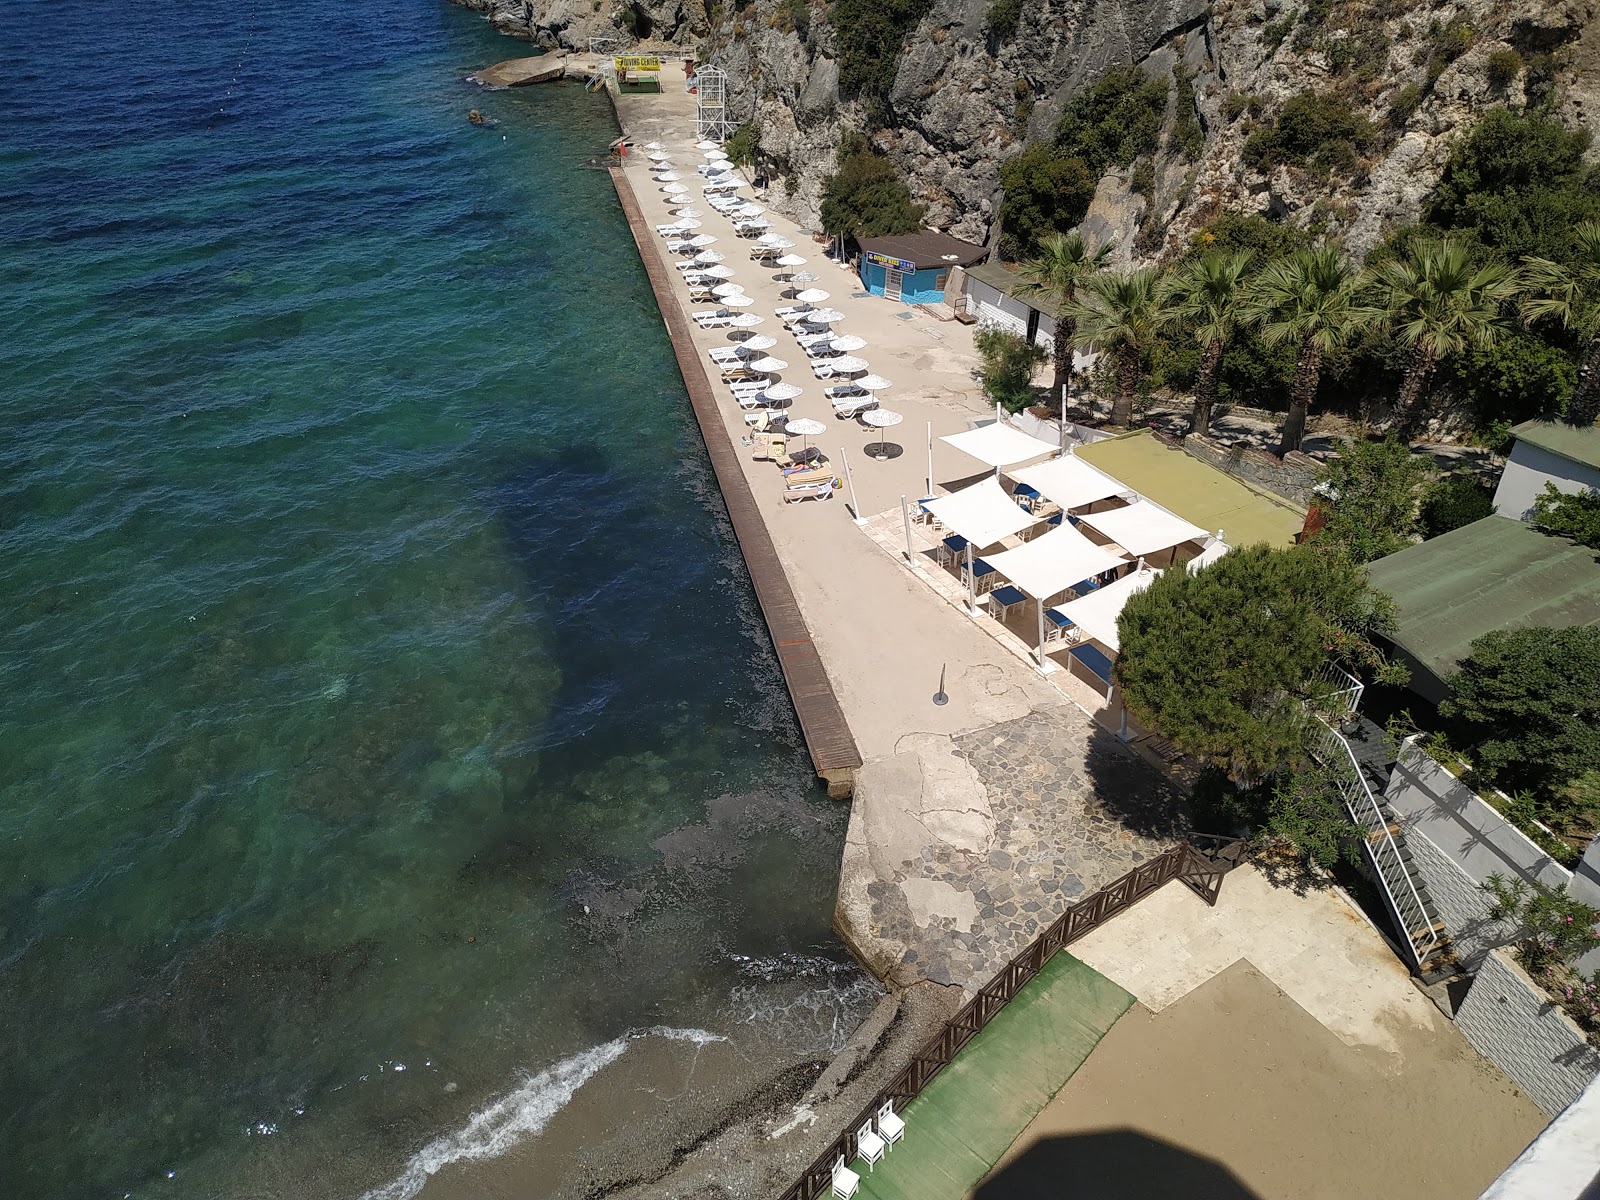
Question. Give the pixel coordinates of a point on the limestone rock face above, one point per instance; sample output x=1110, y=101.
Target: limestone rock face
x=964, y=100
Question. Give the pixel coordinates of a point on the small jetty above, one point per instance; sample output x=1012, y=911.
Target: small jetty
x=519, y=72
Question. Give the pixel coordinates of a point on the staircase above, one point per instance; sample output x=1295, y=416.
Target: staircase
x=1361, y=764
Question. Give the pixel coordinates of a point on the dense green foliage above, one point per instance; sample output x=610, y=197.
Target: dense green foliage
x=1064, y=261
x=1002, y=17
x=1218, y=661
x=1297, y=811
x=1574, y=515
x=1556, y=928
x=1009, y=361
x=1107, y=125
x=744, y=147
x=1370, y=497
x=865, y=197
x=1452, y=502
x=1321, y=131
x=1209, y=297
x=1527, y=702
x=869, y=35
x=1119, y=313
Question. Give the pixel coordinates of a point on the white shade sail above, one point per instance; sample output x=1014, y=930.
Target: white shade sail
x=1207, y=556
x=998, y=444
x=1053, y=562
x=1070, y=482
x=1144, y=528
x=1096, y=614
x=982, y=513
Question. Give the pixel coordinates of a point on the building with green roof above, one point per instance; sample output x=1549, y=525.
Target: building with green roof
x=1497, y=573
x=1547, y=452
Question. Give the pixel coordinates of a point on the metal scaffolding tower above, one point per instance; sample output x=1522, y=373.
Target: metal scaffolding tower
x=711, y=118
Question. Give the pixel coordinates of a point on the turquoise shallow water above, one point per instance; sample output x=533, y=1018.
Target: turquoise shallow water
x=370, y=615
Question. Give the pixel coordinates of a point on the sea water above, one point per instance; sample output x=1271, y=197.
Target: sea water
x=388, y=738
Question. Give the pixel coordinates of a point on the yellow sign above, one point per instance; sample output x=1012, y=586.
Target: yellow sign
x=638, y=62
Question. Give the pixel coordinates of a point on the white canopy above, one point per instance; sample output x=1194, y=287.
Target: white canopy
x=1053, y=562
x=1096, y=614
x=1070, y=482
x=999, y=444
x=1144, y=528
x=1207, y=556
x=982, y=513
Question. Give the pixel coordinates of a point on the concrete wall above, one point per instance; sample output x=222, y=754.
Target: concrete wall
x=1527, y=471
x=993, y=307
x=1509, y=1020
x=1290, y=476
x=1457, y=841
x=1561, y=1162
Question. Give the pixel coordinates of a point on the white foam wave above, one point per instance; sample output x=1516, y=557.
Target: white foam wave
x=520, y=1113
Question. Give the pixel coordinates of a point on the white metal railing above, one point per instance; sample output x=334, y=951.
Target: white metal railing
x=1344, y=690
x=1393, y=875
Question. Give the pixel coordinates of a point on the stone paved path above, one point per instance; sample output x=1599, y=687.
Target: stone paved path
x=961, y=850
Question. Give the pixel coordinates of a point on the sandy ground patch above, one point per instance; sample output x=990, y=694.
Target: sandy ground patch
x=1234, y=1091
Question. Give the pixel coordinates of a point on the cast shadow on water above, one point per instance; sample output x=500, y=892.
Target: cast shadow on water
x=1113, y=1164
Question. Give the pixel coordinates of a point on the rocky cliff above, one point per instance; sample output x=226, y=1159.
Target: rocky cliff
x=964, y=99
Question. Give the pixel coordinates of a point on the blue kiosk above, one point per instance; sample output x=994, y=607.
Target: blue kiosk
x=914, y=268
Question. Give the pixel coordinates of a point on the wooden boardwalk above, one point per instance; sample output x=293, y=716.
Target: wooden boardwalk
x=828, y=737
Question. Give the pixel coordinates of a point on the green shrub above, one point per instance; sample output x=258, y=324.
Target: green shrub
x=1446, y=43
x=1187, y=135
x=1240, y=103
x=1556, y=928
x=1405, y=102
x=1002, y=17
x=1454, y=501
x=1320, y=131
x=865, y=197
x=1273, y=34
x=869, y=35
x=1009, y=361
x=1114, y=121
x=1370, y=497
x=1574, y=515
x=1044, y=191
x=1143, y=178
x=744, y=146
x=1503, y=66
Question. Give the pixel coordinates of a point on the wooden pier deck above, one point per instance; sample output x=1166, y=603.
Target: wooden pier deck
x=828, y=737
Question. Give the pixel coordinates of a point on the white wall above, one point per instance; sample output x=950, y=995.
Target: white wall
x=993, y=307
x=1527, y=471
x=1560, y=1164
x=1509, y=1020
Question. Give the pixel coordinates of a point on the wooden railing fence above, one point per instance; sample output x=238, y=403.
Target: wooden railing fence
x=1199, y=863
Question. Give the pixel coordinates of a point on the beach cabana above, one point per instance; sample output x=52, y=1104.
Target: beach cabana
x=981, y=515
x=1049, y=565
x=1096, y=616
x=1070, y=482
x=1143, y=528
x=999, y=445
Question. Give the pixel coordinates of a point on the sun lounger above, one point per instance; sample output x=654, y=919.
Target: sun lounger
x=793, y=310
x=808, y=485
x=771, y=446
x=719, y=318
x=850, y=401
x=723, y=355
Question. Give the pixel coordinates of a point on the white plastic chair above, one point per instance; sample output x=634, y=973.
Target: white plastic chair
x=869, y=1145
x=845, y=1181
x=890, y=1127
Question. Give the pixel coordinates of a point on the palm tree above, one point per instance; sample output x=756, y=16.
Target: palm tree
x=1064, y=261
x=1211, y=292
x=1309, y=300
x=1571, y=294
x=1439, y=304
x=1120, y=312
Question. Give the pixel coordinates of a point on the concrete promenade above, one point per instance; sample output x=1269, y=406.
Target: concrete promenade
x=975, y=822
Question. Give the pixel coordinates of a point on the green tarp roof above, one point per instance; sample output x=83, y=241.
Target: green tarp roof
x=1496, y=573
x=1580, y=445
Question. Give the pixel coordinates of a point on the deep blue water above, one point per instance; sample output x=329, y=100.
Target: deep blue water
x=368, y=611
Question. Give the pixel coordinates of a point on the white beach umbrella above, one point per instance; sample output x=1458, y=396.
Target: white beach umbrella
x=776, y=240
x=718, y=271
x=652, y=145
x=667, y=177
x=881, y=419
x=707, y=144
x=806, y=427
x=873, y=383
x=791, y=260
x=848, y=365
x=824, y=316
x=848, y=342
x=749, y=210
x=708, y=256
x=728, y=289
x=657, y=156
x=746, y=320
x=687, y=212
x=781, y=391
x=761, y=341
x=674, y=188
x=812, y=296
x=701, y=239
x=716, y=154
x=688, y=223
x=768, y=364
x=739, y=301
x=801, y=276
